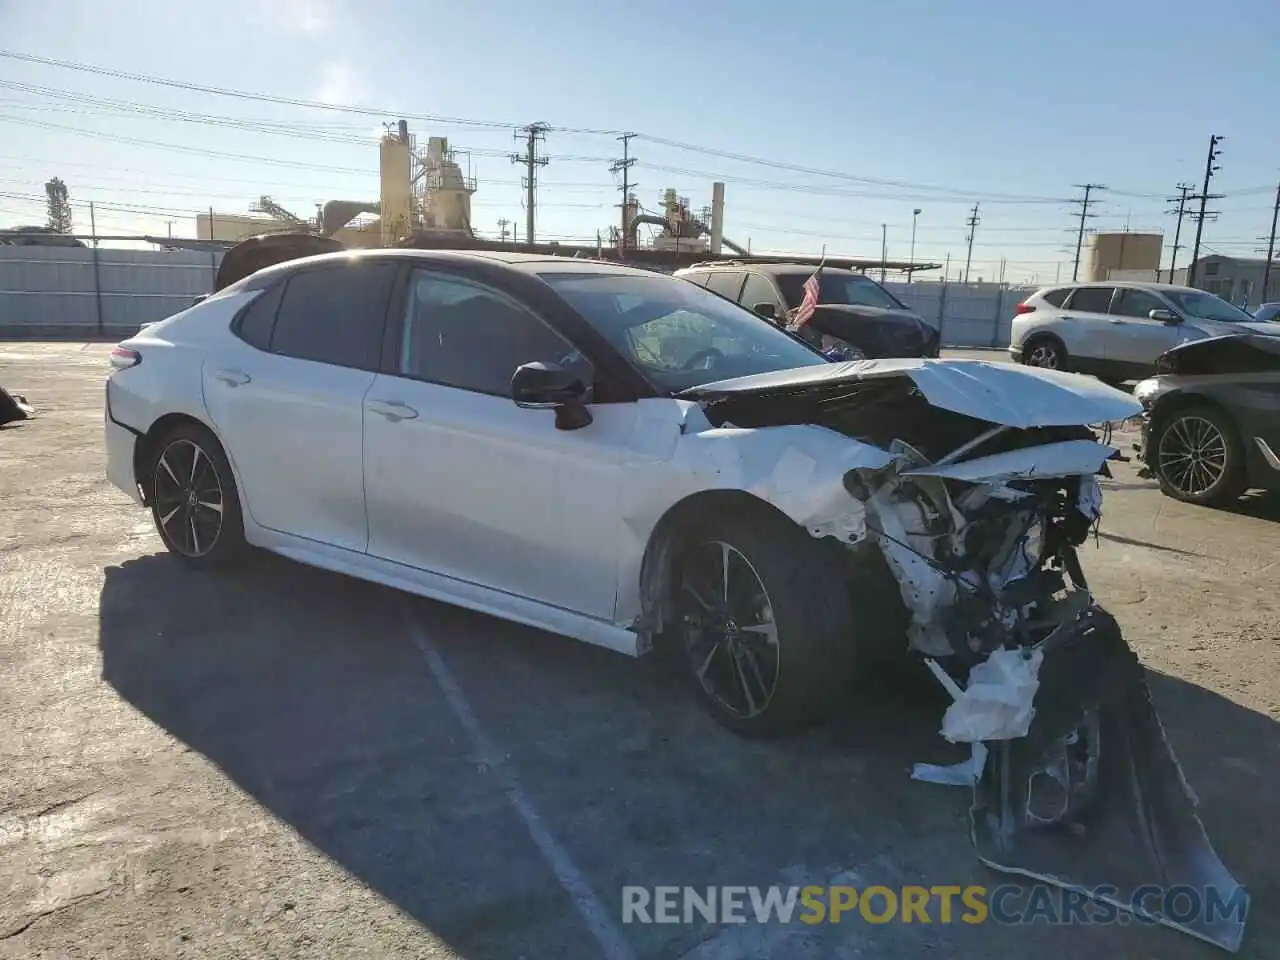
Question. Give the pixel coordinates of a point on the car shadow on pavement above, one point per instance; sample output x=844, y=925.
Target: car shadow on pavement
x=1262, y=505
x=312, y=693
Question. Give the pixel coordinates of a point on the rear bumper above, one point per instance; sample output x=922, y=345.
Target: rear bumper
x=1015, y=352
x=121, y=442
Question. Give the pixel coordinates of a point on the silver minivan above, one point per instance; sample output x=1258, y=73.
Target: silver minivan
x=1115, y=330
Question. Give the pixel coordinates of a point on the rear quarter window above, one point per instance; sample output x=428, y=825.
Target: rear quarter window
x=1056, y=297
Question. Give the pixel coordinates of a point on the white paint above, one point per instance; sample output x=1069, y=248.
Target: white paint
x=612, y=944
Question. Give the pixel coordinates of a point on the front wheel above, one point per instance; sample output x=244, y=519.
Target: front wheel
x=764, y=624
x=1197, y=456
x=193, y=497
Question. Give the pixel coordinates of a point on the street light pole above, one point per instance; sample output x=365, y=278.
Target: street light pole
x=911, y=269
x=884, y=249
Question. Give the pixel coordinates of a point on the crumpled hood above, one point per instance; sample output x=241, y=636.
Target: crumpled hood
x=998, y=393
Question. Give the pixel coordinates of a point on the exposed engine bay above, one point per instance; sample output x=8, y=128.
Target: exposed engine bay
x=979, y=521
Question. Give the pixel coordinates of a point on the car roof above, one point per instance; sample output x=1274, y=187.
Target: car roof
x=766, y=267
x=1140, y=284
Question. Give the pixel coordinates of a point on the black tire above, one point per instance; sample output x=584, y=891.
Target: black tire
x=187, y=475
x=808, y=604
x=1218, y=451
x=1045, y=350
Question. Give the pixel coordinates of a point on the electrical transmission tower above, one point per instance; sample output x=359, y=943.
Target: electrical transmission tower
x=1084, y=203
x=1204, y=196
x=1184, y=192
x=972, y=224
x=534, y=134
x=624, y=166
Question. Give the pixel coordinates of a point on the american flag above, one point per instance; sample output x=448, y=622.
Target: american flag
x=812, y=288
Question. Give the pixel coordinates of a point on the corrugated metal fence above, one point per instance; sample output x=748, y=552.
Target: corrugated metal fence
x=71, y=292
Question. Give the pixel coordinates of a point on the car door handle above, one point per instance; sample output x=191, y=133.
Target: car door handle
x=232, y=378
x=393, y=410
x=1114, y=320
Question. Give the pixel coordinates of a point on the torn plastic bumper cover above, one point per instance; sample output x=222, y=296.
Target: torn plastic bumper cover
x=1092, y=799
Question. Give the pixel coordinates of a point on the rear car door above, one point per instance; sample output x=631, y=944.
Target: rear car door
x=1086, y=328
x=286, y=395
x=1138, y=340
x=463, y=483
x=727, y=283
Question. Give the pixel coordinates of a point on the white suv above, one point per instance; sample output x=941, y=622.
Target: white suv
x=1115, y=330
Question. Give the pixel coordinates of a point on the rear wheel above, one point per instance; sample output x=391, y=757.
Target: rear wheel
x=193, y=497
x=764, y=624
x=1198, y=457
x=1045, y=351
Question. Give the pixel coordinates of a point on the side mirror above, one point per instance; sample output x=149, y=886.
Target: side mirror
x=767, y=310
x=549, y=386
x=1164, y=316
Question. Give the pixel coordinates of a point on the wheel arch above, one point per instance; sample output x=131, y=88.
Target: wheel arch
x=1170, y=404
x=144, y=448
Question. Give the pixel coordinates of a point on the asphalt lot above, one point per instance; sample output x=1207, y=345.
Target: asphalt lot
x=286, y=763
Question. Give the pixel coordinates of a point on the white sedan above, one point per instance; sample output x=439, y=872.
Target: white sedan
x=618, y=456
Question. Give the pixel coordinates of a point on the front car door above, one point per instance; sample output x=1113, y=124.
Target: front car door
x=1086, y=328
x=464, y=484
x=286, y=395
x=1138, y=340
x=760, y=296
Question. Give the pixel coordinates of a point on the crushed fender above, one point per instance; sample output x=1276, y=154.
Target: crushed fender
x=14, y=407
x=1092, y=799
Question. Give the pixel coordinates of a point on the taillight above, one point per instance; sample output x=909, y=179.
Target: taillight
x=1022, y=308
x=122, y=358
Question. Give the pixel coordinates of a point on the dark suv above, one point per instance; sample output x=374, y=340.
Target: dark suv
x=853, y=310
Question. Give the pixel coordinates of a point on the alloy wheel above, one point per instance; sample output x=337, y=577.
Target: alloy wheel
x=1192, y=456
x=1043, y=354
x=188, y=498
x=729, y=632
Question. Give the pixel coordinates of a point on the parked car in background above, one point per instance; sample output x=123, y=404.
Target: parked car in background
x=1267, y=313
x=1211, y=418
x=1116, y=330
x=853, y=310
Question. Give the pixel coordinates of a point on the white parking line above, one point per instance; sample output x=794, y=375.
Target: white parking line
x=593, y=912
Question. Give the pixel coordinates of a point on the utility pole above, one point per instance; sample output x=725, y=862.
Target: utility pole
x=915, y=215
x=1184, y=191
x=1204, y=196
x=884, y=249
x=502, y=229
x=1084, y=203
x=972, y=224
x=624, y=166
x=534, y=134
x=1271, y=248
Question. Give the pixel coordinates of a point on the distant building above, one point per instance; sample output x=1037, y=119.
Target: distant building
x=1238, y=279
x=36, y=237
x=1117, y=256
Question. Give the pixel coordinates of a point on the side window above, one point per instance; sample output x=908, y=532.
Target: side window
x=758, y=290
x=335, y=315
x=256, y=321
x=1136, y=303
x=466, y=335
x=1091, y=299
x=727, y=283
x=699, y=277
x=1055, y=297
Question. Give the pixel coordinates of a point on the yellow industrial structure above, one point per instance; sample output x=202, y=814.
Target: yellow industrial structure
x=1123, y=256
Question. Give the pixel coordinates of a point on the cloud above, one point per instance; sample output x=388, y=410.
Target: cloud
x=310, y=17
x=338, y=84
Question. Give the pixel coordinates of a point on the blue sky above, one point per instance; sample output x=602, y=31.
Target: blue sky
x=1007, y=104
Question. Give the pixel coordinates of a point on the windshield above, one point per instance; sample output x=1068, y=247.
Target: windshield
x=1206, y=306
x=1268, y=312
x=843, y=288
x=676, y=333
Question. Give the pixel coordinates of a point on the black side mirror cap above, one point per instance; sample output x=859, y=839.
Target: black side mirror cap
x=767, y=310
x=549, y=386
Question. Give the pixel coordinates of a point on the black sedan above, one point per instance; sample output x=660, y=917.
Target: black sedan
x=1211, y=419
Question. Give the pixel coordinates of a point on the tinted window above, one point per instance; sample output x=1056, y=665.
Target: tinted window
x=1091, y=299
x=850, y=289
x=1056, y=297
x=727, y=283
x=1205, y=306
x=675, y=334
x=758, y=290
x=699, y=277
x=257, y=319
x=335, y=315
x=1136, y=303
x=462, y=334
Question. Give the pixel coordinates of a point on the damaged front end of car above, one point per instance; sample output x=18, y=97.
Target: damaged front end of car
x=990, y=487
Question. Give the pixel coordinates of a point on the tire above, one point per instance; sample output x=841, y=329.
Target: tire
x=1206, y=434
x=186, y=514
x=1045, y=351
x=812, y=653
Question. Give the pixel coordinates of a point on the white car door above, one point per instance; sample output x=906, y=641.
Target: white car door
x=286, y=394
x=1139, y=340
x=1085, y=327
x=462, y=482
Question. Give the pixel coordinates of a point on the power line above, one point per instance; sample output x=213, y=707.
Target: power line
x=1271, y=246
x=534, y=134
x=972, y=223
x=1084, y=203
x=624, y=166
x=1204, y=196
x=1184, y=191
